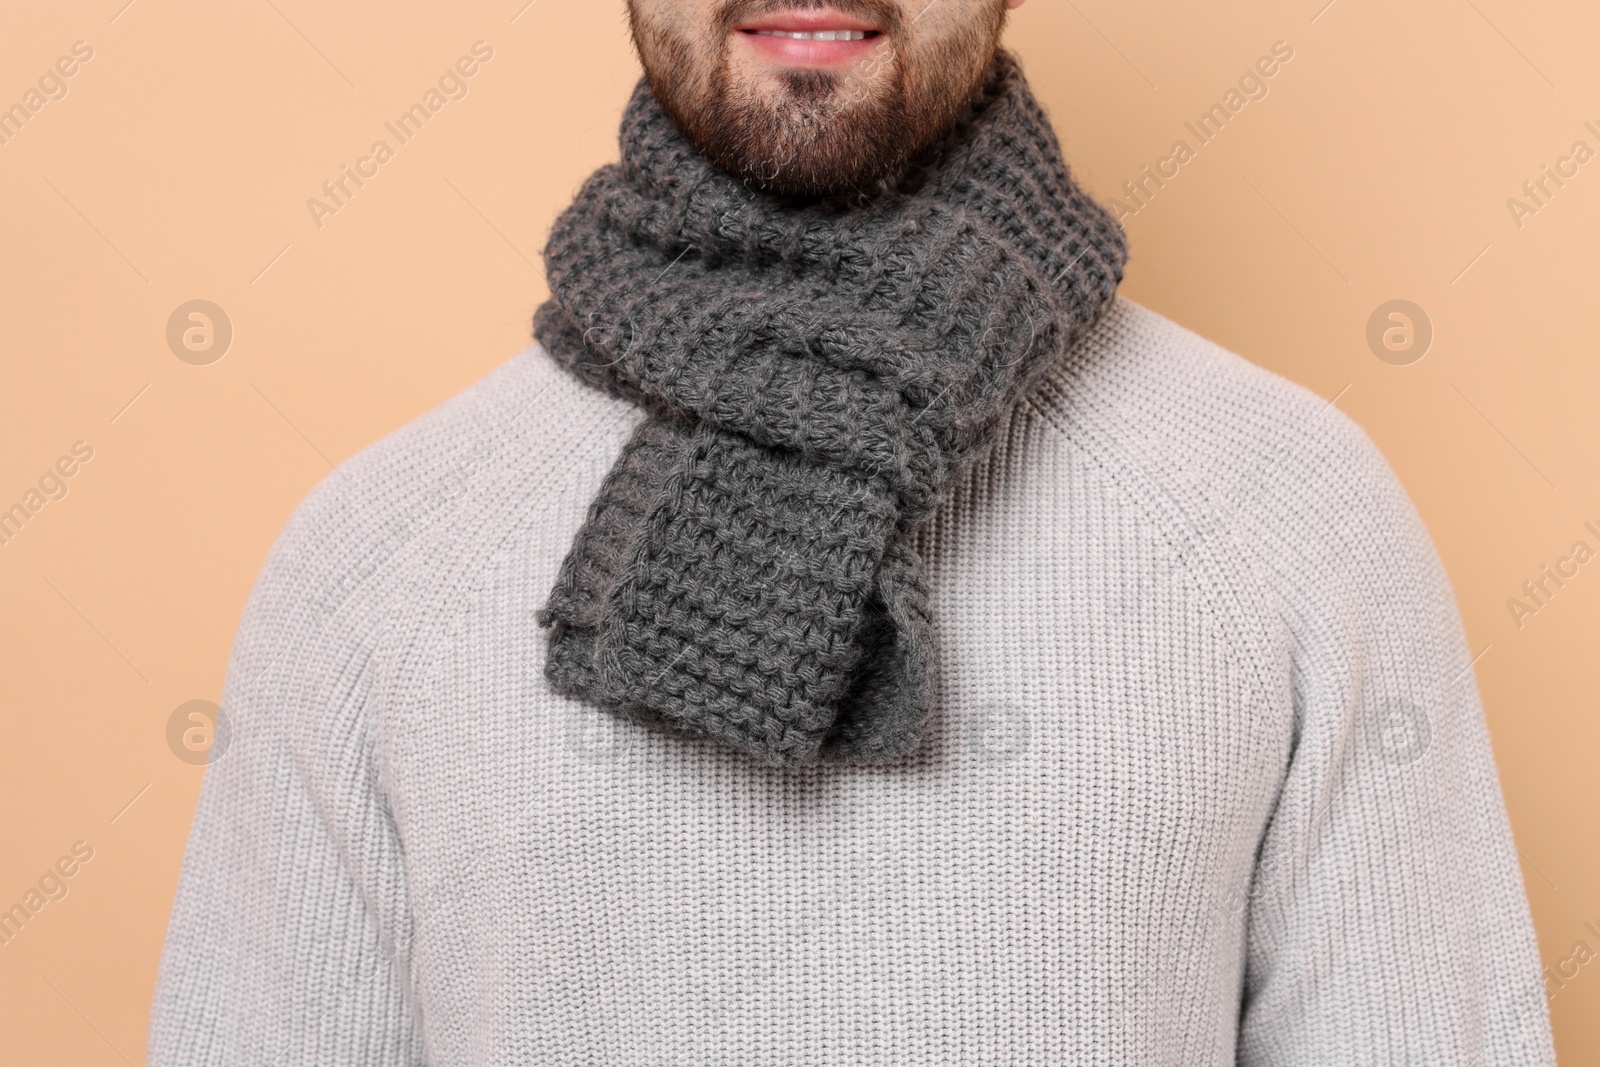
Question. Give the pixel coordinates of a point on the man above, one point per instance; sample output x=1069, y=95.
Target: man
x=852, y=635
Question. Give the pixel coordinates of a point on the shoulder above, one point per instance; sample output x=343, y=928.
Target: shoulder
x=526, y=414
x=1217, y=442
x=369, y=538
x=1278, y=504
x=1204, y=415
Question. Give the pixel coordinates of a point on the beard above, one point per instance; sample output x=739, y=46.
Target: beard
x=815, y=132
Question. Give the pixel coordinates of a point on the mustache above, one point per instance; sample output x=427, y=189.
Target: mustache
x=885, y=14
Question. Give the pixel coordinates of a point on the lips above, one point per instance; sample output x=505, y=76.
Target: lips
x=813, y=38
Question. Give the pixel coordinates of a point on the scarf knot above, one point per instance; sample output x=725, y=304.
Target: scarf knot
x=816, y=373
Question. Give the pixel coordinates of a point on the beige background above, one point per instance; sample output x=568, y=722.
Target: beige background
x=178, y=165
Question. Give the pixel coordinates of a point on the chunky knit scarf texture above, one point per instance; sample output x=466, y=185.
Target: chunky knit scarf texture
x=816, y=373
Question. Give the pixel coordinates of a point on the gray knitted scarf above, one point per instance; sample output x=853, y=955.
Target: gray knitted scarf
x=815, y=373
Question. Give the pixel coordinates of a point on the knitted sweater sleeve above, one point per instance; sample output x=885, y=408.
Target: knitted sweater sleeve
x=1387, y=921
x=282, y=946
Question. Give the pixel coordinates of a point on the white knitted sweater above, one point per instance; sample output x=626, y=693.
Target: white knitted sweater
x=1207, y=781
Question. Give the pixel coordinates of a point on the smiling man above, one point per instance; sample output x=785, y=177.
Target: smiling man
x=852, y=634
x=808, y=99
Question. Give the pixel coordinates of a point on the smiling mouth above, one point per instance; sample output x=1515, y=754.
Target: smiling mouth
x=816, y=39
x=817, y=35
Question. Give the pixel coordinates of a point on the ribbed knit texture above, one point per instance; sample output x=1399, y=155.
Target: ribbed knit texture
x=817, y=373
x=1172, y=806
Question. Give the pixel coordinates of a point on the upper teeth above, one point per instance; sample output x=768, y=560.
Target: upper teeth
x=820, y=35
